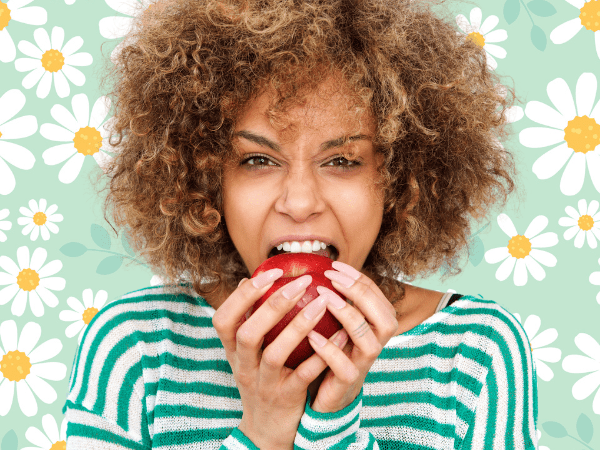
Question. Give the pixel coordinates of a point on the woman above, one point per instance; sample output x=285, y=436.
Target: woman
x=367, y=126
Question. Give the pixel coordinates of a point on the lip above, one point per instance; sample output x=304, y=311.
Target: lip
x=301, y=238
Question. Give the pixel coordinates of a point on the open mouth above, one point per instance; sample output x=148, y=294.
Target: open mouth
x=329, y=252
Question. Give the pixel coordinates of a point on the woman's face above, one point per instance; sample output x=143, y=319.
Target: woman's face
x=302, y=189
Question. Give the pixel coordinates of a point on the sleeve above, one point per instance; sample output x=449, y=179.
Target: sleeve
x=506, y=411
x=105, y=407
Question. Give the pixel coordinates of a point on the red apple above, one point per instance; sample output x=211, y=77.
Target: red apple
x=294, y=266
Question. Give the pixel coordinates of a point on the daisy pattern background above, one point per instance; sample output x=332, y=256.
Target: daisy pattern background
x=588, y=10
x=50, y=437
x=5, y=225
x=11, y=127
x=482, y=34
x=30, y=280
x=522, y=252
x=566, y=300
x=50, y=60
x=584, y=225
x=576, y=131
x=37, y=219
x=590, y=365
x=24, y=368
x=539, y=350
x=81, y=314
x=86, y=135
x=11, y=13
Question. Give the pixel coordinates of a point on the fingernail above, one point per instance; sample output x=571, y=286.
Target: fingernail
x=292, y=289
x=317, y=339
x=240, y=283
x=334, y=299
x=339, y=277
x=267, y=278
x=314, y=308
x=346, y=269
x=340, y=338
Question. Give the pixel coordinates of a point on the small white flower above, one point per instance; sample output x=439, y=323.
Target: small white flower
x=116, y=27
x=5, y=225
x=14, y=11
x=585, y=224
x=589, y=364
x=10, y=104
x=565, y=31
x=595, y=280
x=156, y=280
x=577, y=133
x=84, y=134
x=22, y=366
x=30, y=280
x=50, y=438
x=50, y=60
x=540, y=354
x=522, y=251
x=482, y=34
x=81, y=314
x=38, y=219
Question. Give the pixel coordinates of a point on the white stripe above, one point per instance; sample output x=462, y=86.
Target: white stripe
x=480, y=425
x=319, y=426
x=87, y=443
x=168, y=372
x=204, y=445
x=183, y=423
x=135, y=409
x=411, y=435
x=198, y=401
x=96, y=421
x=232, y=443
x=113, y=387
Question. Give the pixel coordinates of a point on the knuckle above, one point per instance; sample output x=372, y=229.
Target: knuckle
x=244, y=338
x=350, y=375
x=270, y=359
x=362, y=289
x=277, y=303
x=374, y=351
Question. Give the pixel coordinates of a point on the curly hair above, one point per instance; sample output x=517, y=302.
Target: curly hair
x=188, y=67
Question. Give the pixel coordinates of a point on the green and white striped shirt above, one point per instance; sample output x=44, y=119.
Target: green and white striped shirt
x=151, y=373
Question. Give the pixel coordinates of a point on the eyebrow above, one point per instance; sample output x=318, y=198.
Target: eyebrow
x=264, y=142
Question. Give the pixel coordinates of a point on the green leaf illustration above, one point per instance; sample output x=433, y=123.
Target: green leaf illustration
x=476, y=250
x=538, y=37
x=585, y=428
x=73, y=249
x=555, y=429
x=100, y=236
x=125, y=243
x=511, y=10
x=10, y=441
x=109, y=265
x=541, y=8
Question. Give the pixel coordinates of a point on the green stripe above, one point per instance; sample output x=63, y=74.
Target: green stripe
x=198, y=387
x=312, y=436
x=173, y=438
x=198, y=413
x=75, y=429
x=125, y=393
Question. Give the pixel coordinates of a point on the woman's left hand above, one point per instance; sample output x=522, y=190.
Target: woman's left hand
x=370, y=323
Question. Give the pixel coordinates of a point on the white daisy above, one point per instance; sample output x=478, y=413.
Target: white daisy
x=583, y=388
x=595, y=280
x=116, y=27
x=548, y=336
x=50, y=57
x=50, y=438
x=522, y=251
x=70, y=2
x=39, y=219
x=81, y=314
x=86, y=135
x=576, y=132
x=10, y=104
x=585, y=224
x=587, y=18
x=482, y=34
x=5, y=225
x=24, y=366
x=13, y=11
x=30, y=278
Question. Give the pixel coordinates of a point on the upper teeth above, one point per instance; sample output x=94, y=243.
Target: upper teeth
x=305, y=247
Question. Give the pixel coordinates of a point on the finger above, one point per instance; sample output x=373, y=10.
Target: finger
x=250, y=335
x=330, y=351
x=278, y=351
x=228, y=317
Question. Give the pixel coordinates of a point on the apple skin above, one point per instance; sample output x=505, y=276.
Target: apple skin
x=295, y=265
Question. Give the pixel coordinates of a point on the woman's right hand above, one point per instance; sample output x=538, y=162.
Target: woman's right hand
x=273, y=396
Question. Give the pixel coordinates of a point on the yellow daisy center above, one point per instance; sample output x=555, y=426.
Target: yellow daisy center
x=477, y=38
x=590, y=15
x=0, y=135
x=39, y=218
x=53, y=60
x=585, y=222
x=582, y=134
x=4, y=15
x=88, y=141
x=59, y=445
x=519, y=246
x=89, y=314
x=28, y=279
x=15, y=365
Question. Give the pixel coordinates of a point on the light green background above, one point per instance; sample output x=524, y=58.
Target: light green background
x=565, y=299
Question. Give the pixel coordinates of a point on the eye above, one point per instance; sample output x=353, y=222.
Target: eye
x=348, y=165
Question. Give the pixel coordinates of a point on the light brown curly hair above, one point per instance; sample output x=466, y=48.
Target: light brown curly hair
x=188, y=67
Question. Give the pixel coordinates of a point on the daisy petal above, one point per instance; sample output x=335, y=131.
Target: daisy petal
x=34, y=15
x=72, y=46
x=579, y=239
x=33, y=77
x=7, y=393
x=71, y=169
x=37, y=438
x=45, y=351
x=31, y=50
x=42, y=389
x=74, y=328
x=54, y=283
x=588, y=345
x=30, y=335
x=75, y=305
x=54, y=371
x=11, y=103
x=50, y=428
x=561, y=97
x=26, y=400
x=36, y=305
x=115, y=27
x=545, y=115
x=88, y=298
x=543, y=257
x=506, y=225
x=50, y=269
x=19, y=304
x=580, y=364
x=505, y=268
x=100, y=300
x=99, y=111
x=45, y=233
x=532, y=325
x=9, y=266
x=548, y=239
x=61, y=84
x=42, y=39
x=126, y=7
x=81, y=108
x=27, y=64
x=536, y=226
x=496, y=36
x=23, y=257
x=59, y=153
x=35, y=231
x=520, y=275
x=47, y=296
x=593, y=163
x=593, y=207
x=572, y=178
x=565, y=31
x=591, y=240
x=572, y=213
x=69, y=316
x=16, y=155
x=548, y=354
x=38, y=258
x=585, y=92
x=534, y=268
x=537, y=137
x=496, y=50
x=57, y=133
x=44, y=86
x=496, y=255
x=57, y=38
x=79, y=59
x=543, y=371
x=64, y=117
x=475, y=18
x=571, y=232
x=544, y=338
x=585, y=386
x=51, y=210
x=74, y=75
x=8, y=335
